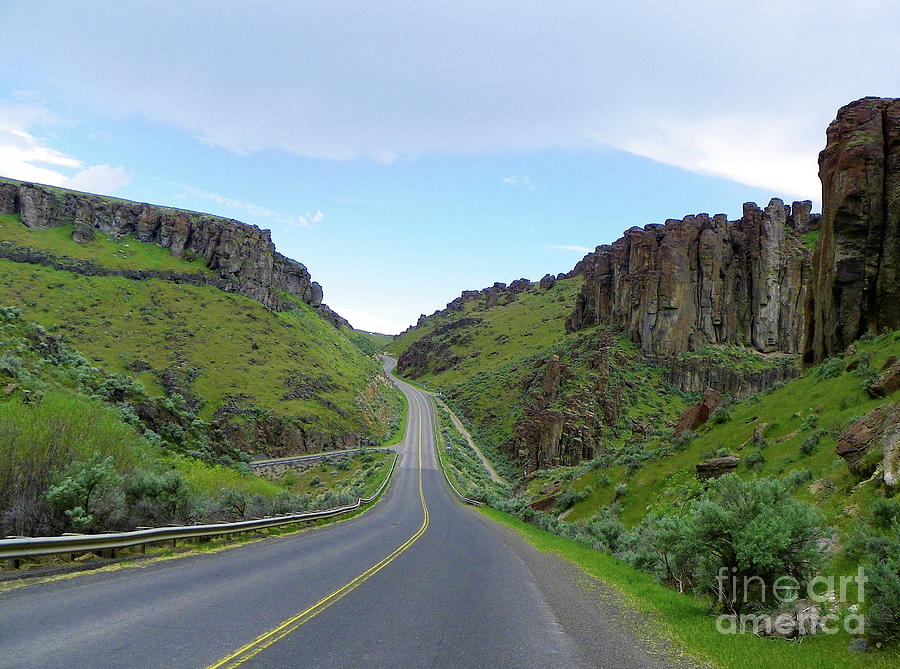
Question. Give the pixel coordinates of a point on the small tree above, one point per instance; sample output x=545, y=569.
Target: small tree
x=750, y=533
x=81, y=499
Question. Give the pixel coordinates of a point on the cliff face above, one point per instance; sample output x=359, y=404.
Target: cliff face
x=856, y=268
x=243, y=256
x=703, y=281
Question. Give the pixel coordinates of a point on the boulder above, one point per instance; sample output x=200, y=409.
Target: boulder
x=888, y=382
x=698, y=414
x=803, y=618
x=713, y=469
x=547, y=282
x=870, y=442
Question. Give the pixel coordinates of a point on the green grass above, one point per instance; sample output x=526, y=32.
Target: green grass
x=103, y=251
x=685, y=620
x=370, y=343
x=236, y=345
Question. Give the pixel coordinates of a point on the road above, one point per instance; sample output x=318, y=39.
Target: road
x=421, y=580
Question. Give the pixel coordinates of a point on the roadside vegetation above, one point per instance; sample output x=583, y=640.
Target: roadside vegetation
x=86, y=450
x=639, y=517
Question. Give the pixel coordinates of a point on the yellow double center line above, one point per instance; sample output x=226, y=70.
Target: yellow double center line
x=274, y=635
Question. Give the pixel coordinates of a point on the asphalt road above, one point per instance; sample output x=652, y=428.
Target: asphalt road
x=421, y=580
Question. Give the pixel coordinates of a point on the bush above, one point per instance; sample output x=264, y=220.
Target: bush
x=720, y=415
x=829, y=368
x=158, y=498
x=84, y=497
x=881, y=561
x=809, y=444
x=886, y=512
x=755, y=532
x=798, y=477
x=755, y=460
x=569, y=498
x=621, y=490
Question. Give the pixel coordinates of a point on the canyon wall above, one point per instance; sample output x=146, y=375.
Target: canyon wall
x=856, y=269
x=704, y=281
x=243, y=256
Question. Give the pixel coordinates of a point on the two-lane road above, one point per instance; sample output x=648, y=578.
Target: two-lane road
x=419, y=581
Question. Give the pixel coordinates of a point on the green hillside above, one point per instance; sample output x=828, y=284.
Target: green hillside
x=270, y=383
x=87, y=450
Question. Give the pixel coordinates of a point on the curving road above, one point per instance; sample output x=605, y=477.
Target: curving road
x=419, y=581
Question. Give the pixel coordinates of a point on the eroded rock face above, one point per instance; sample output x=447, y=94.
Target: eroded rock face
x=856, y=270
x=704, y=280
x=242, y=256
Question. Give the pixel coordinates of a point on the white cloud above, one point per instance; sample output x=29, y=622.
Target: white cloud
x=24, y=156
x=569, y=247
x=253, y=210
x=724, y=87
x=518, y=181
x=363, y=320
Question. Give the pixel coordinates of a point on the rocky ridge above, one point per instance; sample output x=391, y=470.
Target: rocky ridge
x=242, y=256
x=704, y=280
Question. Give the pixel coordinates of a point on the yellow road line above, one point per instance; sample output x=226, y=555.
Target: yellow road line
x=267, y=639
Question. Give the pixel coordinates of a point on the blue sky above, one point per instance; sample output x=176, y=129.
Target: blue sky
x=408, y=151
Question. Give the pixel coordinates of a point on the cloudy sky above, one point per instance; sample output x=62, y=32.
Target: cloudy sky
x=405, y=151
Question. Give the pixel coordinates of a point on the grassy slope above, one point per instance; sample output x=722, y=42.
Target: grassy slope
x=836, y=401
x=487, y=384
x=236, y=346
x=104, y=251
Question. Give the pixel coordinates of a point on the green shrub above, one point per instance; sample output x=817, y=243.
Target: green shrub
x=85, y=495
x=756, y=532
x=621, y=490
x=569, y=498
x=720, y=415
x=755, y=460
x=829, y=368
x=885, y=512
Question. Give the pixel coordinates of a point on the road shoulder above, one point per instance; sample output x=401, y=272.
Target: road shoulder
x=608, y=631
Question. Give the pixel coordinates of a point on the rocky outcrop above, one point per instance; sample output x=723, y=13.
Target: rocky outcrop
x=703, y=281
x=492, y=296
x=698, y=414
x=888, y=382
x=552, y=431
x=870, y=443
x=242, y=256
x=716, y=467
x=434, y=352
x=694, y=376
x=856, y=269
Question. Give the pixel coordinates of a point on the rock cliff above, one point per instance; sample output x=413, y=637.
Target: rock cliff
x=243, y=256
x=856, y=269
x=704, y=281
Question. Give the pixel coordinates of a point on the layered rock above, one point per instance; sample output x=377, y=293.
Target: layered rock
x=552, y=432
x=704, y=281
x=243, y=256
x=856, y=270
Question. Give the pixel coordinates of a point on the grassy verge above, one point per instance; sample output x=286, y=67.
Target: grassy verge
x=686, y=621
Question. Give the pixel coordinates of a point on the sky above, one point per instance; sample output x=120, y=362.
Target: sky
x=407, y=151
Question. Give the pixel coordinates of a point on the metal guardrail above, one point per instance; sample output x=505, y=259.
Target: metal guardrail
x=467, y=500
x=26, y=547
